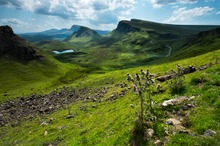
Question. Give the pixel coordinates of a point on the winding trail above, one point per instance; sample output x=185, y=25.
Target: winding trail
x=169, y=51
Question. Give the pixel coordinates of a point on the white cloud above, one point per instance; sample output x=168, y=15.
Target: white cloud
x=209, y=0
x=186, y=15
x=91, y=10
x=19, y=25
x=160, y=3
x=12, y=21
x=218, y=13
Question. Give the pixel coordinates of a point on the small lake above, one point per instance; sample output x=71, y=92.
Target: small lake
x=63, y=52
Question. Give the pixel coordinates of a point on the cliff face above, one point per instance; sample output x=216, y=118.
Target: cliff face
x=15, y=46
x=6, y=31
x=126, y=27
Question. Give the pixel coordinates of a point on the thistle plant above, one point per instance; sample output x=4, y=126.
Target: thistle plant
x=143, y=86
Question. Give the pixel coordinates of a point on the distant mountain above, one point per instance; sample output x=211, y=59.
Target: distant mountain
x=153, y=35
x=14, y=46
x=55, y=34
x=75, y=28
x=84, y=34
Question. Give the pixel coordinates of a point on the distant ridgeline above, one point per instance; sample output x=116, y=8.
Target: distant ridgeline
x=56, y=34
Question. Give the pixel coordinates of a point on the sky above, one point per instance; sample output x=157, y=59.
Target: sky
x=39, y=15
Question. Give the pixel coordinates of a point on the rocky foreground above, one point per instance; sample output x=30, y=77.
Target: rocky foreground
x=26, y=108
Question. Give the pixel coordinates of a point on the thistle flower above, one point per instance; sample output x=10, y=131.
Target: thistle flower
x=158, y=87
x=152, y=75
x=147, y=72
x=137, y=77
x=128, y=77
x=142, y=72
x=135, y=88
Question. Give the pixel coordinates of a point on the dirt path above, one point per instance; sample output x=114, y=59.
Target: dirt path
x=169, y=51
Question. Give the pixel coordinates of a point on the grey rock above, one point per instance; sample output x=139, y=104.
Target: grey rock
x=209, y=132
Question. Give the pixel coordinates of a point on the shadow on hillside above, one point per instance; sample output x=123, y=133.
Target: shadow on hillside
x=137, y=136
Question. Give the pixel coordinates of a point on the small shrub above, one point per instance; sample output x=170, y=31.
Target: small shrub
x=198, y=80
x=159, y=129
x=177, y=85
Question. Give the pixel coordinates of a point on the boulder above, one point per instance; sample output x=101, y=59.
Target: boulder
x=174, y=101
x=164, y=78
x=209, y=132
x=148, y=134
x=176, y=123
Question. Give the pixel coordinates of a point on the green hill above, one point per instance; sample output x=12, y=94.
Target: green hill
x=25, y=69
x=83, y=35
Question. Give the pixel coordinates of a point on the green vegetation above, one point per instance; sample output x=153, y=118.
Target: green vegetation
x=111, y=122
x=134, y=43
x=99, y=66
x=23, y=78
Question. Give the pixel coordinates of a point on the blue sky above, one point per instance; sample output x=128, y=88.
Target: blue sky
x=38, y=15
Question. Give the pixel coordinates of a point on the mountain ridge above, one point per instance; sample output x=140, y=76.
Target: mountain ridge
x=83, y=34
x=55, y=34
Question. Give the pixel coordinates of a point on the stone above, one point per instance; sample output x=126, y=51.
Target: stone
x=61, y=127
x=174, y=101
x=45, y=132
x=93, y=106
x=44, y=123
x=158, y=142
x=94, y=99
x=166, y=131
x=192, y=97
x=149, y=133
x=209, y=132
x=176, y=123
x=131, y=105
x=69, y=116
x=173, y=121
x=51, y=120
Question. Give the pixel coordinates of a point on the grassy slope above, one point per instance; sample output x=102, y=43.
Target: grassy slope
x=22, y=78
x=110, y=123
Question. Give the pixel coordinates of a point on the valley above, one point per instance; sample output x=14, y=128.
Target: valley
x=74, y=91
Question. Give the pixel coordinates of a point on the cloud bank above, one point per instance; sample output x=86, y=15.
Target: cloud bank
x=107, y=12
x=186, y=15
x=160, y=3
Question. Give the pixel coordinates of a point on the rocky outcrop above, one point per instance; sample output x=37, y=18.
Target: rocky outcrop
x=6, y=31
x=14, y=46
x=126, y=27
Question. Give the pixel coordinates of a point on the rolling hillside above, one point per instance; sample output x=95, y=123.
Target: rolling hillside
x=24, y=68
x=132, y=43
x=109, y=118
